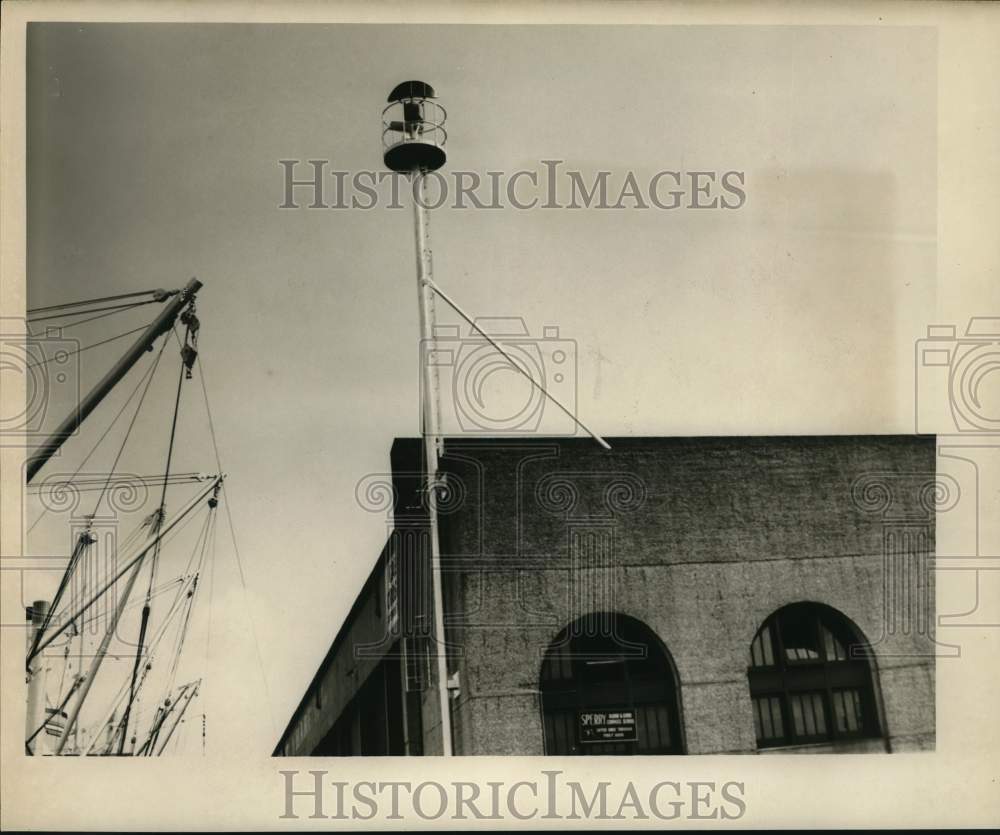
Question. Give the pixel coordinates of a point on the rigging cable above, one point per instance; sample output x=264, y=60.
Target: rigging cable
x=121, y=309
x=183, y=599
x=236, y=550
x=163, y=295
x=90, y=483
x=200, y=549
x=77, y=681
x=156, y=548
x=179, y=521
x=190, y=594
x=149, y=371
x=153, y=645
x=86, y=540
x=135, y=690
x=61, y=354
x=208, y=629
x=161, y=590
x=115, y=308
x=180, y=716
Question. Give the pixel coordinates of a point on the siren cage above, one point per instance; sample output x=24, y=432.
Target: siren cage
x=413, y=132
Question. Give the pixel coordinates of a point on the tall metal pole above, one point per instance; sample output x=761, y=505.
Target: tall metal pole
x=160, y=324
x=136, y=567
x=98, y=658
x=430, y=428
x=85, y=539
x=35, y=714
x=164, y=530
x=190, y=698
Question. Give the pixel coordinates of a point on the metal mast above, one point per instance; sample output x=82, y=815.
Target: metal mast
x=431, y=431
x=35, y=717
x=135, y=565
x=413, y=145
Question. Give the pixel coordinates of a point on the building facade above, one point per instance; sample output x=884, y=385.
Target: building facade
x=669, y=596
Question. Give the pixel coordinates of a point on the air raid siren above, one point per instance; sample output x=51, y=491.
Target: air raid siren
x=413, y=134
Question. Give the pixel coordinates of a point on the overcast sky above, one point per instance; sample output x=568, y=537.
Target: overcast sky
x=153, y=157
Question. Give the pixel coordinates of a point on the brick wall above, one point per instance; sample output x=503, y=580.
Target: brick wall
x=700, y=539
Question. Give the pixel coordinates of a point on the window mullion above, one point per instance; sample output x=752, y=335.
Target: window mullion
x=831, y=720
x=784, y=698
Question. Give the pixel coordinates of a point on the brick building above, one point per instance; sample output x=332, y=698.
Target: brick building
x=672, y=595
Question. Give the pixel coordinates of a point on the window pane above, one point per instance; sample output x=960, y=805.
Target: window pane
x=797, y=721
x=854, y=716
x=761, y=724
x=807, y=714
x=819, y=715
x=767, y=718
x=799, y=635
x=779, y=724
x=756, y=656
x=663, y=726
x=834, y=649
x=646, y=741
x=618, y=668
x=839, y=711
x=847, y=707
x=825, y=694
x=761, y=653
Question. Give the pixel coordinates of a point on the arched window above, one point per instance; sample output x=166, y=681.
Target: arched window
x=608, y=687
x=810, y=678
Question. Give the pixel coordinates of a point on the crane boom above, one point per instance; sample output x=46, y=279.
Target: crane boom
x=161, y=324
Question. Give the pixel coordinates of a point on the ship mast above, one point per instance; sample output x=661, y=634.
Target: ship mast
x=41, y=613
